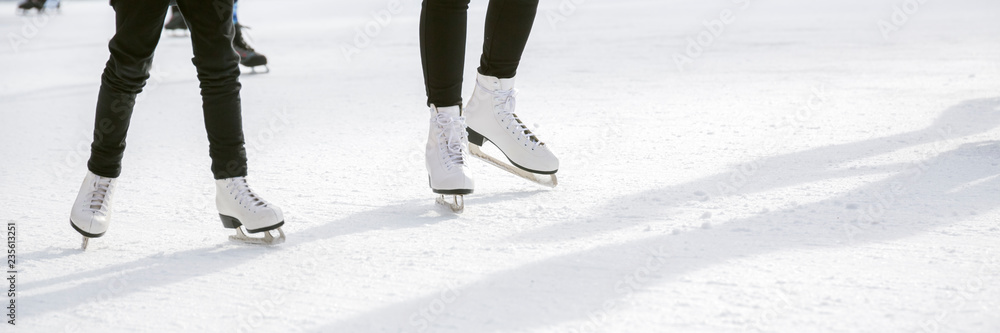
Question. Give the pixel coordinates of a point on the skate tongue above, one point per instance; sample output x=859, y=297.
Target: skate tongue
x=453, y=111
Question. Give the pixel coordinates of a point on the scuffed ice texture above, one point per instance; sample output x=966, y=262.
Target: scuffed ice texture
x=803, y=173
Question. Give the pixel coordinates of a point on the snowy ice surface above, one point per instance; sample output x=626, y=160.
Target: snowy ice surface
x=819, y=166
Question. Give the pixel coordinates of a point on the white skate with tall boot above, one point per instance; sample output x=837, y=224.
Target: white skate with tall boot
x=91, y=212
x=240, y=206
x=447, y=172
x=490, y=116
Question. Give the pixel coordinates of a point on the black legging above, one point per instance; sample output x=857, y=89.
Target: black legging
x=137, y=31
x=442, y=43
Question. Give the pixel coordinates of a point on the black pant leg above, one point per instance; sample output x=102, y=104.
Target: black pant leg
x=508, y=24
x=137, y=31
x=211, y=25
x=443, y=26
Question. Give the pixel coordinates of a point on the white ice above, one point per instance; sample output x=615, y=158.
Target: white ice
x=819, y=166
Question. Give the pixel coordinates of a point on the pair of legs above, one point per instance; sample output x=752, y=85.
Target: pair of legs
x=139, y=24
x=489, y=114
x=443, y=26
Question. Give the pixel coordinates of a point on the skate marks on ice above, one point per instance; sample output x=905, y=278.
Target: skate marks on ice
x=481, y=199
x=80, y=288
x=585, y=288
x=567, y=291
x=795, y=169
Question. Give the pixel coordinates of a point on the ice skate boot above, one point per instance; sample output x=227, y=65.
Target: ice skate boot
x=248, y=56
x=27, y=5
x=446, y=169
x=491, y=117
x=176, y=22
x=91, y=212
x=240, y=206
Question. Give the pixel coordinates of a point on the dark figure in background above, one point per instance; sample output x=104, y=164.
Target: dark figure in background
x=248, y=56
x=39, y=5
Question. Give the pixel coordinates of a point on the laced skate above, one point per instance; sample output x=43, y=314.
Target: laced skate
x=491, y=118
x=239, y=206
x=447, y=171
x=248, y=56
x=40, y=5
x=91, y=212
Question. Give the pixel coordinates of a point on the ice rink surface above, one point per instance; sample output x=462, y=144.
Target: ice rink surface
x=727, y=166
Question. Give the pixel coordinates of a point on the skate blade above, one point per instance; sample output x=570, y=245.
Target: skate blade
x=253, y=70
x=268, y=239
x=86, y=240
x=457, y=204
x=544, y=180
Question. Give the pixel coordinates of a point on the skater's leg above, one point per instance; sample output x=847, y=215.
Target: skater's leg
x=508, y=24
x=211, y=25
x=490, y=113
x=138, y=25
x=442, y=49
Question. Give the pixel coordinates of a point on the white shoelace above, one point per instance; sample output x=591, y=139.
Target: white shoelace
x=451, y=139
x=241, y=192
x=505, y=101
x=99, y=197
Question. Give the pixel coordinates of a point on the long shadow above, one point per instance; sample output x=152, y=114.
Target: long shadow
x=824, y=163
x=575, y=287
x=147, y=273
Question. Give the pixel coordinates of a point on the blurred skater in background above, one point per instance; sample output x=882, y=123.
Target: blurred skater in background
x=248, y=56
x=27, y=5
